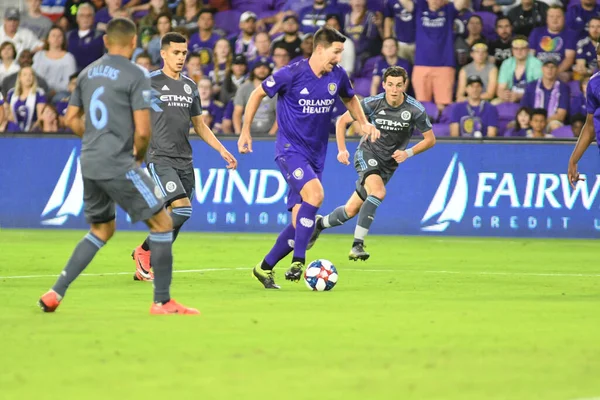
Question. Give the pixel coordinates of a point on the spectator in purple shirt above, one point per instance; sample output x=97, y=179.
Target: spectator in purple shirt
x=586, y=61
x=85, y=43
x=364, y=27
x=400, y=23
x=579, y=16
x=390, y=58
x=554, y=42
x=313, y=17
x=434, y=72
x=549, y=93
x=227, y=123
x=104, y=15
x=212, y=110
x=204, y=41
x=578, y=101
x=475, y=117
x=25, y=100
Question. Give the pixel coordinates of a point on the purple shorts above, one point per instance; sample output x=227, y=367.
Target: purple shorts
x=296, y=170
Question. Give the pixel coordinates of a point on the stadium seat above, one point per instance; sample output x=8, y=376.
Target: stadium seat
x=563, y=132
x=229, y=21
x=431, y=110
x=489, y=24
x=441, y=130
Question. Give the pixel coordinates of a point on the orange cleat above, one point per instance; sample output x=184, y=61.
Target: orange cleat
x=171, y=307
x=50, y=301
x=142, y=265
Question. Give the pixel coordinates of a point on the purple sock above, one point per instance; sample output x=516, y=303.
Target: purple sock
x=305, y=225
x=282, y=246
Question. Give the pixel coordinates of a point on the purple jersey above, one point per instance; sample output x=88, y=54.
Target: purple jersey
x=543, y=99
x=593, y=102
x=474, y=121
x=404, y=21
x=435, y=35
x=24, y=111
x=551, y=46
x=587, y=51
x=304, y=108
x=362, y=34
x=102, y=16
x=86, y=49
x=203, y=47
x=577, y=19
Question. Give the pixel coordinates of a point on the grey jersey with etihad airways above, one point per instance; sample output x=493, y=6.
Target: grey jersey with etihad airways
x=109, y=90
x=396, y=124
x=174, y=103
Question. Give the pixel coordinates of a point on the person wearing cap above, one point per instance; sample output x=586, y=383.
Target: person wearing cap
x=400, y=23
x=290, y=38
x=22, y=38
x=474, y=117
x=35, y=21
x=482, y=67
x=389, y=52
x=234, y=79
x=204, y=41
x=517, y=71
x=555, y=41
x=265, y=121
x=313, y=17
x=550, y=93
x=244, y=43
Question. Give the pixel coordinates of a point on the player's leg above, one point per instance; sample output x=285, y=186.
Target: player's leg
x=99, y=211
x=312, y=195
x=375, y=188
x=337, y=217
x=175, y=188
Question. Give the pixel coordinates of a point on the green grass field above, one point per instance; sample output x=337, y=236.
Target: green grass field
x=424, y=318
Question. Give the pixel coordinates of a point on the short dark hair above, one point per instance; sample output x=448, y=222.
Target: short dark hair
x=326, y=36
x=539, y=111
x=502, y=18
x=395, y=71
x=206, y=10
x=280, y=45
x=120, y=30
x=171, y=37
x=519, y=111
x=475, y=16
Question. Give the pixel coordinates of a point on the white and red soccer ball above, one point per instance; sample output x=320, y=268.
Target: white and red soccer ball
x=320, y=275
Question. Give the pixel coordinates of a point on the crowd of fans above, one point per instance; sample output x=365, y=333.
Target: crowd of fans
x=480, y=67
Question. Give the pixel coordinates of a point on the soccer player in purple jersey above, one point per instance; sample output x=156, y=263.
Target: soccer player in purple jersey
x=591, y=128
x=306, y=93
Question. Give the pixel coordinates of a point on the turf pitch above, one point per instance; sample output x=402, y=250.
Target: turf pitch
x=424, y=318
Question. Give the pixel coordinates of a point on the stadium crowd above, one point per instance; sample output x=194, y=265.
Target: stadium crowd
x=513, y=68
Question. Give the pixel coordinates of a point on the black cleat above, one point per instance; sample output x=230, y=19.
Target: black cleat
x=266, y=277
x=358, y=253
x=315, y=234
x=295, y=271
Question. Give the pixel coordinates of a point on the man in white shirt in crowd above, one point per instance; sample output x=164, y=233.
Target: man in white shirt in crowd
x=22, y=38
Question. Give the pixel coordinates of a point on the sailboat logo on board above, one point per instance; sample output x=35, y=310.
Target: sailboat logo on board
x=443, y=209
x=65, y=202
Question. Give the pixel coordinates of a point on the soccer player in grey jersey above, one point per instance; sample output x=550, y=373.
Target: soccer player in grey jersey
x=114, y=95
x=175, y=102
x=396, y=115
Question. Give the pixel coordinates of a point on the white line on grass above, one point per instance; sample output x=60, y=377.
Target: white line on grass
x=441, y=272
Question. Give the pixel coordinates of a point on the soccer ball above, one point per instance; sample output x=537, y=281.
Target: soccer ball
x=320, y=275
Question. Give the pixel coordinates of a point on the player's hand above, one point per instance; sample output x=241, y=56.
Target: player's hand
x=371, y=131
x=400, y=156
x=574, y=175
x=231, y=161
x=344, y=157
x=245, y=142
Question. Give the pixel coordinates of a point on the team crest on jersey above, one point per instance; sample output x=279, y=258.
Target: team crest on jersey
x=372, y=163
x=298, y=173
x=187, y=88
x=270, y=81
x=405, y=115
x=171, y=186
x=331, y=88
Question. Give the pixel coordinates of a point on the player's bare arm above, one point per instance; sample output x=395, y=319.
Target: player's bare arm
x=356, y=111
x=425, y=144
x=340, y=137
x=143, y=133
x=209, y=137
x=74, y=120
x=245, y=140
x=586, y=137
